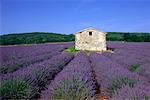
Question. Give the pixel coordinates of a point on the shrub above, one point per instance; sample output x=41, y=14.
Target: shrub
x=71, y=49
x=70, y=90
x=134, y=68
x=14, y=89
x=139, y=92
x=120, y=82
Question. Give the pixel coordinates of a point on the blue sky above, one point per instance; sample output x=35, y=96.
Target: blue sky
x=69, y=16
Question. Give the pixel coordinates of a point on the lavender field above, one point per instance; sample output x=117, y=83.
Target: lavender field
x=47, y=72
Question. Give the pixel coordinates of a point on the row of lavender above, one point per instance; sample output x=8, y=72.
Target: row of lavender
x=27, y=83
x=133, y=56
x=28, y=55
x=8, y=53
x=75, y=82
x=117, y=81
x=12, y=66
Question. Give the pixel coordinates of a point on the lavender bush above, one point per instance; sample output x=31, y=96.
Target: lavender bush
x=42, y=71
x=133, y=56
x=14, y=88
x=14, y=65
x=75, y=81
x=70, y=90
x=140, y=92
x=11, y=53
x=111, y=75
x=120, y=82
x=40, y=74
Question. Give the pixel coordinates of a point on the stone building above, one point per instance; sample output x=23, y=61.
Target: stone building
x=90, y=39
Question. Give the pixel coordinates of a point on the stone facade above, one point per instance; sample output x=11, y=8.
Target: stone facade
x=90, y=39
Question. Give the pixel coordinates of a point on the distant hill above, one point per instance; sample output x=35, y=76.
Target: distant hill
x=128, y=37
x=42, y=37
x=34, y=38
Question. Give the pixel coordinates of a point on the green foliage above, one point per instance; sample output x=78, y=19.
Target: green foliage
x=3, y=69
x=120, y=82
x=14, y=89
x=114, y=36
x=71, y=49
x=70, y=90
x=34, y=38
x=41, y=37
x=134, y=68
x=6, y=69
x=129, y=37
x=40, y=77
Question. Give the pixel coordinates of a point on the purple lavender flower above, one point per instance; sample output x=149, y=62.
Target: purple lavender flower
x=40, y=74
x=140, y=92
x=75, y=81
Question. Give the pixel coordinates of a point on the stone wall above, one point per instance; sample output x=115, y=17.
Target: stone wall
x=94, y=42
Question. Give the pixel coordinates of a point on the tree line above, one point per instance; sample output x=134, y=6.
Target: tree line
x=42, y=37
x=34, y=38
x=128, y=37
